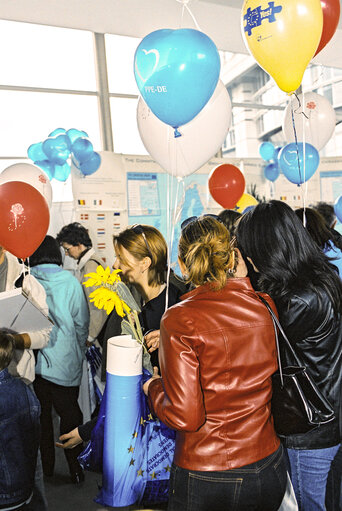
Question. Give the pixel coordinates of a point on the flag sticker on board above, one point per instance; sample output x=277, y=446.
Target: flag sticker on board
x=81, y=202
x=101, y=232
x=84, y=216
x=101, y=246
x=97, y=202
x=100, y=216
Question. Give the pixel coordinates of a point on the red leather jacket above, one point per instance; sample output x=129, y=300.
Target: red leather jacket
x=217, y=355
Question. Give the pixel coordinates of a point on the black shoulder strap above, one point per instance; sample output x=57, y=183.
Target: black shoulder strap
x=20, y=279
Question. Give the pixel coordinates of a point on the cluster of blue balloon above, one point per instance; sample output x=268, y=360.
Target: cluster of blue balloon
x=297, y=161
x=176, y=72
x=52, y=154
x=270, y=153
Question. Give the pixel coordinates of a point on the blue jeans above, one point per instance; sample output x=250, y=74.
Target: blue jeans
x=259, y=486
x=333, y=499
x=309, y=474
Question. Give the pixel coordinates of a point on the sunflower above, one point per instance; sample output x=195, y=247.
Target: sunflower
x=102, y=276
x=107, y=299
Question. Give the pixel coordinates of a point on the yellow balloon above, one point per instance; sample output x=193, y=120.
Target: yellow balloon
x=245, y=201
x=283, y=36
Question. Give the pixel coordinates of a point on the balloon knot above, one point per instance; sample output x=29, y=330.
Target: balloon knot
x=177, y=133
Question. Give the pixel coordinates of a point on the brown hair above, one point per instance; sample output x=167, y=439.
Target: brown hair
x=6, y=349
x=207, y=252
x=155, y=248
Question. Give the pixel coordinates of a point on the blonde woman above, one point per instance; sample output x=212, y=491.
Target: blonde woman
x=141, y=254
x=217, y=354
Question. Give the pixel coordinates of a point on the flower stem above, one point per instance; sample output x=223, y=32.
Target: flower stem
x=136, y=333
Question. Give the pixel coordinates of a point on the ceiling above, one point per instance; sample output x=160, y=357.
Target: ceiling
x=219, y=19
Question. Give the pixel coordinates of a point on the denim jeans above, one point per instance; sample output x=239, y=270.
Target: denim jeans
x=259, y=486
x=309, y=474
x=333, y=498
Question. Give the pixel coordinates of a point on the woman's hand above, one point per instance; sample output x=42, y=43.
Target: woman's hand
x=155, y=376
x=69, y=440
x=152, y=340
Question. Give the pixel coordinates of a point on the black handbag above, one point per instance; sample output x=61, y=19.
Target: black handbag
x=297, y=404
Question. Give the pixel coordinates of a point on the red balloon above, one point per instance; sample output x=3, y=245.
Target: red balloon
x=331, y=16
x=226, y=185
x=25, y=218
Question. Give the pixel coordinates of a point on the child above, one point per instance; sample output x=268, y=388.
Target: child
x=19, y=433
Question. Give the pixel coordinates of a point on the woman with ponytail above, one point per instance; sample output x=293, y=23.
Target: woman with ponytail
x=217, y=355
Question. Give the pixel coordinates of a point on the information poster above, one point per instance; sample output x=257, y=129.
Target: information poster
x=100, y=202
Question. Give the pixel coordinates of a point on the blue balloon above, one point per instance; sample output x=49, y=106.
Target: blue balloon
x=271, y=171
x=276, y=153
x=62, y=172
x=75, y=162
x=57, y=149
x=288, y=162
x=176, y=72
x=47, y=166
x=338, y=208
x=73, y=134
x=82, y=149
x=90, y=166
x=57, y=131
x=266, y=151
x=249, y=208
x=35, y=152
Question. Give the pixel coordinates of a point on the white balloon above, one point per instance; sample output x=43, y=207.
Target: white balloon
x=200, y=138
x=319, y=119
x=30, y=174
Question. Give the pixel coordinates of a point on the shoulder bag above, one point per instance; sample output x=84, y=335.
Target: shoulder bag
x=297, y=404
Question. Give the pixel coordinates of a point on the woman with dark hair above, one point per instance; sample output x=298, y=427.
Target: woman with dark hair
x=141, y=254
x=321, y=234
x=59, y=365
x=217, y=355
x=308, y=295
x=229, y=217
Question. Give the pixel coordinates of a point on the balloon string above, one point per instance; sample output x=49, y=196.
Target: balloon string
x=304, y=194
x=193, y=18
x=300, y=106
x=168, y=239
x=296, y=140
x=185, y=6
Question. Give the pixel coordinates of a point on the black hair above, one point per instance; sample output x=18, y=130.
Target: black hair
x=327, y=211
x=229, y=218
x=74, y=234
x=284, y=253
x=316, y=227
x=48, y=252
x=6, y=349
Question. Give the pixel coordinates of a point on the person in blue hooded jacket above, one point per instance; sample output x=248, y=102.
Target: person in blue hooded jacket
x=59, y=364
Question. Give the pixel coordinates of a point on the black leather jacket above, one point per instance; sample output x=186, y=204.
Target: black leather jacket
x=316, y=335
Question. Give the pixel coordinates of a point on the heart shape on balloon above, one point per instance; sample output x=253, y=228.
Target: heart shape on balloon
x=82, y=149
x=176, y=72
x=155, y=64
x=57, y=149
x=296, y=167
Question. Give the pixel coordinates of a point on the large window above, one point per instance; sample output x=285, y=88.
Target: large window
x=40, y=56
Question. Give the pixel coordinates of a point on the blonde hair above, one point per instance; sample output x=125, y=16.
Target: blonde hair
x=207, y=252
x=155, y=248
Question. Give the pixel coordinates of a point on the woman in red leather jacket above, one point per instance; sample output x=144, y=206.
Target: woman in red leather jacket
x=217, y=355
